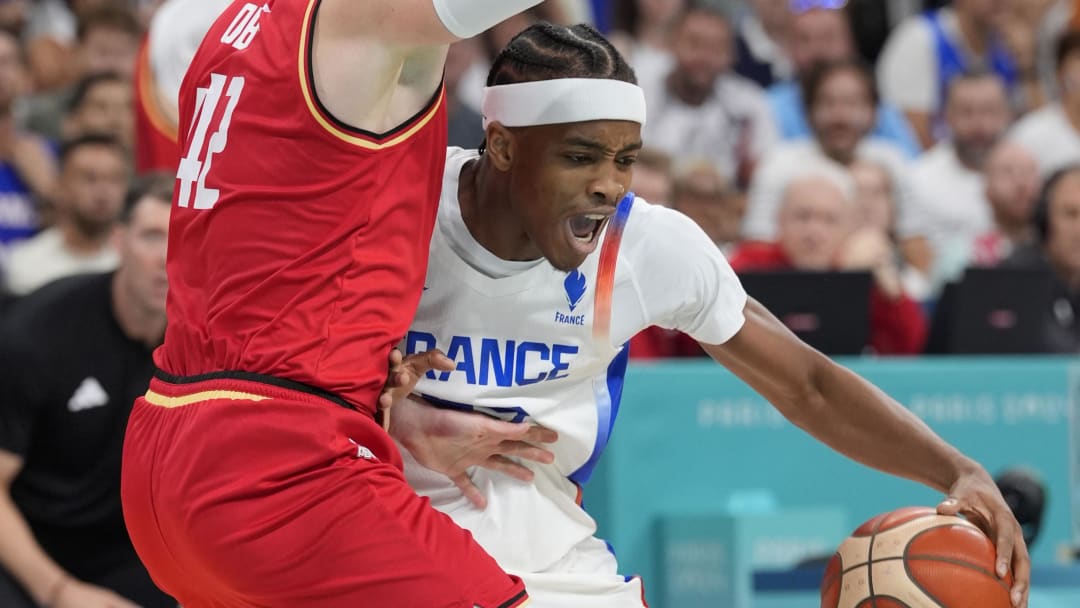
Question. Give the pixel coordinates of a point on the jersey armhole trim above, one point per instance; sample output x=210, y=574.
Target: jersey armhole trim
x=147, y=97
x=338, y=128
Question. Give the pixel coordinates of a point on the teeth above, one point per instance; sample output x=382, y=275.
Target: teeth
x=595, y=217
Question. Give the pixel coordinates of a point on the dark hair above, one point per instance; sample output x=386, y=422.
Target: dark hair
x=547, y=52
x=157, y=185
x=1066, y=46
x=87, y=83
x=109, y=17
x=822, y=71
x=70, y=146
x=1041, y=214
x=712, y=8
x=972, y=75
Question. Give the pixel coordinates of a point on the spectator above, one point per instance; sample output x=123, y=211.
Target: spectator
x=949, y=177
x=926, y=51
x=822, y=33
x=90, y=193
x=815, y=233
x=877, y=214
x=1057, y=250
x=1012, y=189
x=705, y=195
x=653, y=180
x=699, y=108
x=841, y=101
x=1053, y=133
x=762, y=43
x=67, y=383
x=27, y=164
x=108, y=41
x=643, y=28
x=101, y=104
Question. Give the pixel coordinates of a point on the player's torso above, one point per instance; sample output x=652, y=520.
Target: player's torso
x=297, y=244
x=529, y=347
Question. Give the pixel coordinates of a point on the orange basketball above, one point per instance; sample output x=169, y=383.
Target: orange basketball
x=915, y=558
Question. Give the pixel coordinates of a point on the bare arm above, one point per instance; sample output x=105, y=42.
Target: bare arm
x=922, y=124
x=377, y=63
x=857, y=419
x=835, y=405
x=20, y=553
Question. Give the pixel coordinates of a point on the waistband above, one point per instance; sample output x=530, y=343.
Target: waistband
x=167, y=390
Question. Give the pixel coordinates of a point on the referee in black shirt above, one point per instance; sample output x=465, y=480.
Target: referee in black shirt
x=73, y=357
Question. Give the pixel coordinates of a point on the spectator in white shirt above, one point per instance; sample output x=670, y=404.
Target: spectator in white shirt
x=926, y=51
x=89, y=195
x=949, y=177
x=1053, y=133
x=698, y=107
x=841, y=99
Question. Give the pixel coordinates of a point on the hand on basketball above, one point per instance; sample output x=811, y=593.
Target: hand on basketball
x=977, y=497
x=76, y=594
x=451, y=442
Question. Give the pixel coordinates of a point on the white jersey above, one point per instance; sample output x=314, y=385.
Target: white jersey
x=535, y=343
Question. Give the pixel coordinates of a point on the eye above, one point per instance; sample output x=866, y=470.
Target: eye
x=578, y=159
x=627, y=161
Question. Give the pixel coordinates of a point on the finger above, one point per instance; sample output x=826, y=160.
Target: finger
x=386, y=399
x=527, y=451
x=469, y=490
x=1021, y=575
x=1005, y=546
x=395, y=357
x=421, y=363
x=504, y=465
x=539, y=434
x=503, y=430
x=949, y=506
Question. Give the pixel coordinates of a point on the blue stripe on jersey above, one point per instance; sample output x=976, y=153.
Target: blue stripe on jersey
x=607, y=408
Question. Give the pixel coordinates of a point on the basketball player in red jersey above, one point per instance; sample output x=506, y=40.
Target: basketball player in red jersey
x=312, y=144
x=174, y=35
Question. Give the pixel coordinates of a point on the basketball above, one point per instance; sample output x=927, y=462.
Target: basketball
x=915, y=558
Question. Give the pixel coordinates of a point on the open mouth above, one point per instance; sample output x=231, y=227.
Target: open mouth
x=586, y=227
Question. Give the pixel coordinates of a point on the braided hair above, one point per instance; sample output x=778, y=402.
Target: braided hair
x=545, y=51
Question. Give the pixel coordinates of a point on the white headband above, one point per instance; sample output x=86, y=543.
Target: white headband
x=561, y=101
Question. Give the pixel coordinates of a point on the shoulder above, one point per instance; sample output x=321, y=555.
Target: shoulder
x=932, y=161
x=913, y=34
x=658, y=236
x=1038, y=123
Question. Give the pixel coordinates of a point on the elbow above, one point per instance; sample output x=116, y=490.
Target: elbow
x=807, y=401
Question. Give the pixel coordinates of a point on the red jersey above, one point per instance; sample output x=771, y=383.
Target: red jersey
x=298, y=245
x=155, y=135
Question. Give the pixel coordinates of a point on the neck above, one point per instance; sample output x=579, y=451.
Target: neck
x=973, y=33
x=1016, y=232
x=1070, y=105
x=138, y=323
x=79, y=242
x=484, y=197
x=686, y=92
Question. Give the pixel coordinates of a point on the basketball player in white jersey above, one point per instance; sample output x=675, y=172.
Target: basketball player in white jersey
x=542, y=268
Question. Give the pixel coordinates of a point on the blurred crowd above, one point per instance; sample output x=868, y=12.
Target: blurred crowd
x=911, y=141
x=908, y=139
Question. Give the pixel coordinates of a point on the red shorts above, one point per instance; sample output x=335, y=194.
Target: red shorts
x=238, y=493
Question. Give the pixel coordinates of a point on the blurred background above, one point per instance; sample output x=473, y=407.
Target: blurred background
x=898, y=180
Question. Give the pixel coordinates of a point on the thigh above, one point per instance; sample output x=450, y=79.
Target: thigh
x=280, y=505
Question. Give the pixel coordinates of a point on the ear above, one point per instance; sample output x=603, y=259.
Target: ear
x=501, y=145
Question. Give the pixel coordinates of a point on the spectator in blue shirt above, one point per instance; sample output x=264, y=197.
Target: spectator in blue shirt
x=821, y=32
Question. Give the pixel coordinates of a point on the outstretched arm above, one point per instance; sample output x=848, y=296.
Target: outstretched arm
x=857, y=419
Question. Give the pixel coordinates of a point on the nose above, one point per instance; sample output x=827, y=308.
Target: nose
x=609, y=187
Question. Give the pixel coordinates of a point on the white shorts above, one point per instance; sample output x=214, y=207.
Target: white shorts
x=586, y=578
